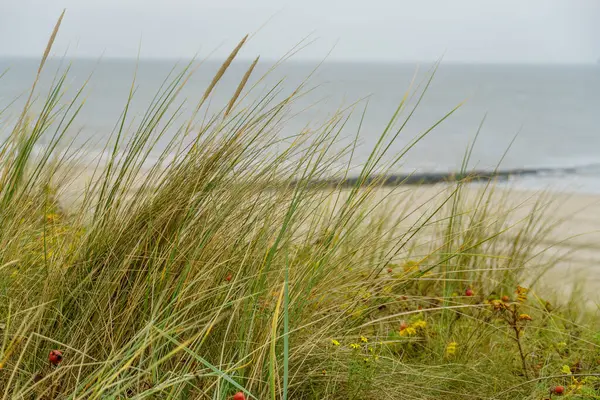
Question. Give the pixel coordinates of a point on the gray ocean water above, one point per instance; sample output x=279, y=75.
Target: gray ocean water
x=553, y=109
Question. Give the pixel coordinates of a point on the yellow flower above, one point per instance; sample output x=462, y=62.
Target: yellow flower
x=364, y=339
x=497, y=304
x=355, y=346
x=522, y=290
x=451, y=349
x=335, y=342
x=521, y=294
x=410, y=331
x=525, y=317
x=51, y=218
x=566, y=370
x=420, y=324
x=576, y=384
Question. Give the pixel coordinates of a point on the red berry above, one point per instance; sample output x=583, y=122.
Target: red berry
x=228, y=277
x=55, y=357
x=559, y=389
x=469, y=292
x=505, y=299
x=390, y=270
x=403, y=325
x=239, y=396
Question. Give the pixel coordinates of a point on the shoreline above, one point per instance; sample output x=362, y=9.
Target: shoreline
x=431, y=178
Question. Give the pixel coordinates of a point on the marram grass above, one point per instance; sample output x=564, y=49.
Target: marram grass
x=227, y=269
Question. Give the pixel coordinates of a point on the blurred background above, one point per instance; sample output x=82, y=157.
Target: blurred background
x=527, y=71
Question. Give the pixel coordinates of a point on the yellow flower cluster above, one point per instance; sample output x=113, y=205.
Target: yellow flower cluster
x=409, y=331
x=451, y=349
x=497, y=304
x=525, y=317
x=412, y=329
x=354, y=346
x=420, y=324
x=52, y=218
x=521, y=294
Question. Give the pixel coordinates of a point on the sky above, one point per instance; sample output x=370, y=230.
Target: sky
x=488, y=31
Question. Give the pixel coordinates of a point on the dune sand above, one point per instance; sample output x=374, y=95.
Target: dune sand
x=571, y=244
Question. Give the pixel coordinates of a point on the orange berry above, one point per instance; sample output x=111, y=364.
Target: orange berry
x=228, y=277
x=389, y=270
x=403, y=325
x=559, y=390
x=505, y=299
x=55, y=357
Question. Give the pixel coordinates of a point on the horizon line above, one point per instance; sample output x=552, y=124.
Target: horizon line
x=304, y=60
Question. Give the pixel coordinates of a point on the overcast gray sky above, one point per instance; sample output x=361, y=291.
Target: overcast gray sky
x=555, y=31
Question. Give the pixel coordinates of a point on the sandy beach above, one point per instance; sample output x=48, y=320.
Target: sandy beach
x=574, y=241
x=568, y=245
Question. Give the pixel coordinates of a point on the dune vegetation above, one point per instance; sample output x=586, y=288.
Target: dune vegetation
x=226, y=267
